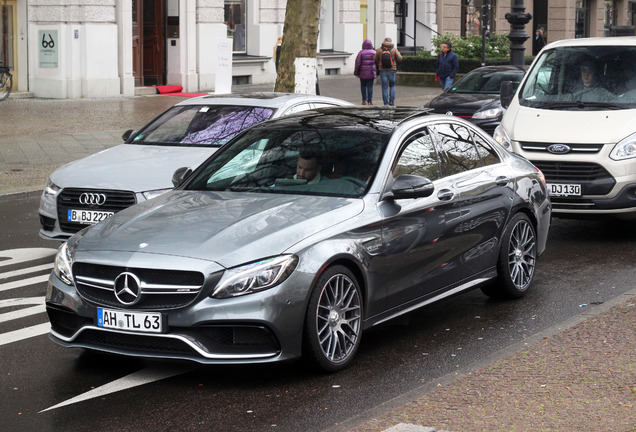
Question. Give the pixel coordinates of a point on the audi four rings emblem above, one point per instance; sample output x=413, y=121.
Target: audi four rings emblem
x=92, y=198
x=127, y=288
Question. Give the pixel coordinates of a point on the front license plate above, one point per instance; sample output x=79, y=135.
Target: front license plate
x=564, y=189
x=145, y=322
x=88, y=216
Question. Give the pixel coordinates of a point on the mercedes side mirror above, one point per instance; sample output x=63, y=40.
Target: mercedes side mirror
x=180, y=175
x=411, y=186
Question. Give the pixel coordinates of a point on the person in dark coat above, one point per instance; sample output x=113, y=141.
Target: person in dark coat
x=386, y=57
x=538, y=42
x=447, y=66
x=365, y=69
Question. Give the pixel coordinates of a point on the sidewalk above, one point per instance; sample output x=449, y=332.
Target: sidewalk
x=580, y=376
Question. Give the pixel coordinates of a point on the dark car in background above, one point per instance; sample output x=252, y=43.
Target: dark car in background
x=247, y=261
x=475, y=97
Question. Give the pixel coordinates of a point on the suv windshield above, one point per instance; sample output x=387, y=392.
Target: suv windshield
x=332, y=162
x=200, y=125
x=582, y=78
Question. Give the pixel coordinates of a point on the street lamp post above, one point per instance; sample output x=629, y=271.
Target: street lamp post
x=518, y=20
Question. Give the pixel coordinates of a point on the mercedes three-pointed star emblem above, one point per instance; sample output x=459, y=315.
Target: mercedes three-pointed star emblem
x=127, y=288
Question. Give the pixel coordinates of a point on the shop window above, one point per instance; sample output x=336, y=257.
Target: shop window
x=235, y=20
x=581, y=22
x=473, y=14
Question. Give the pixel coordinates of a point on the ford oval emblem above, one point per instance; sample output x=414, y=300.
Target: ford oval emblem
x=559, y=148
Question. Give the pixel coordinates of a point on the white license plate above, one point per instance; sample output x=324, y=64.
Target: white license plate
x=146, y=322
x=564, y=189
x=88, y=216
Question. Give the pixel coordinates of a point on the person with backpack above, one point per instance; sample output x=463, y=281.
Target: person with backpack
x=447, y=66
x=386, y=57
x=365, y=69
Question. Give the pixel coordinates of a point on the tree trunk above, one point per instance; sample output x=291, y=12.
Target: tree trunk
x=300, y=40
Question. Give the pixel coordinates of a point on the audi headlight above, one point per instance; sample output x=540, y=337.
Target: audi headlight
x=64, y=263
x=625, y=149
x=501, y=136
x=492, y=113
x=51, y=188
x=256, y=276
x=155, y=193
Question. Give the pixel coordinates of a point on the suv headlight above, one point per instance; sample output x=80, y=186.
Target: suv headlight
x=256, y=276
x=492, y=113
x=502, y=137
x=625, y=149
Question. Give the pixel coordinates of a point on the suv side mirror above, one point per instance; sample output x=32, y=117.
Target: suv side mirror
x=180, y=175
x=126, y=135
x=506, y=93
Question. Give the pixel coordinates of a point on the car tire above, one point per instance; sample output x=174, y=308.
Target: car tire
x=517, y=259
x=333, y=323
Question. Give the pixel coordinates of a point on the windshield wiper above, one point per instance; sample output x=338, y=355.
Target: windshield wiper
x=580, y=104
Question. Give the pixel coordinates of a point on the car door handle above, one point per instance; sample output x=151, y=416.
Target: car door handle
x=502, y=181
x=445, y=195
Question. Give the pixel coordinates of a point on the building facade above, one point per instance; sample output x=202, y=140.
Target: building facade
x=107, y=48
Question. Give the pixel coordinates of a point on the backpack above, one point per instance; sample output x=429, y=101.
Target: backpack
x=386, y=59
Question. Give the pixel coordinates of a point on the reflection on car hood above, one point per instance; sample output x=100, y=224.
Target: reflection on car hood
x=137, y=168
x=463, y=102
x=592, y=127
x=230, y=228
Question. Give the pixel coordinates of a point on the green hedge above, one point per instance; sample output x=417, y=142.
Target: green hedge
x=427, y=64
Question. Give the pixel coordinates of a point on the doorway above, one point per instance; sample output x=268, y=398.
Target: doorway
x=8, y=37
x=149, y=51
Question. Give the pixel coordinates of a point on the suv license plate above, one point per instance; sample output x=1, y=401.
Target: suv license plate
x=131, y=321
x=564, y=189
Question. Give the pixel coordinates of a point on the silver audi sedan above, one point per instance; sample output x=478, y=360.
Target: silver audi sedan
x=94, y=188
x=298, y=235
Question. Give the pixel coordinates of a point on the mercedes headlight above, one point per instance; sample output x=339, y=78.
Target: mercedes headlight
x=255, y=276
x=64, y=263
x=502, y=137
x=625, y=149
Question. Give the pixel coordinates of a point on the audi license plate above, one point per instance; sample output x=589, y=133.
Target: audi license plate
x=88, y=216
x=564, y=189
x=146, y=322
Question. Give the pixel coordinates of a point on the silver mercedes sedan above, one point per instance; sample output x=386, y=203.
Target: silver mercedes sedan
x=94, y=188
x=298, y=235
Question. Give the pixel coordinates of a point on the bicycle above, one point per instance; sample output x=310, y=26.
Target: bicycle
x=6, y=82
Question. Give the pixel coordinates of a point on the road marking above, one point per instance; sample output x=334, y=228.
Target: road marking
x=144, y=376
x=25, y=333
x=21, y=272
x=17, y=256
x=20, y=313
x=24, y=282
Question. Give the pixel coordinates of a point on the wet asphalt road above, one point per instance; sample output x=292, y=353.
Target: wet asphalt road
x=587, y=263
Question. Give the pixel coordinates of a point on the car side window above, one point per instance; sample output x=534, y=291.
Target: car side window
x=486, y=152
x=418, y=157
x=457, y=150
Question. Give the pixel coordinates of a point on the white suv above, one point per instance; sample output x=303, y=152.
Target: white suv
x=573, y=117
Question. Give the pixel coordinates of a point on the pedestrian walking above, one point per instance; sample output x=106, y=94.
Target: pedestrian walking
x=366, y=70
x=447, y=66
x=386, y=57
x=538, y=42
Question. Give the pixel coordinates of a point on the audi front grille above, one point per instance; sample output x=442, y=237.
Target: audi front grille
x=90, y=199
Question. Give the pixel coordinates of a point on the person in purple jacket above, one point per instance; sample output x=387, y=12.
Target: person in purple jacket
x=365, y=69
